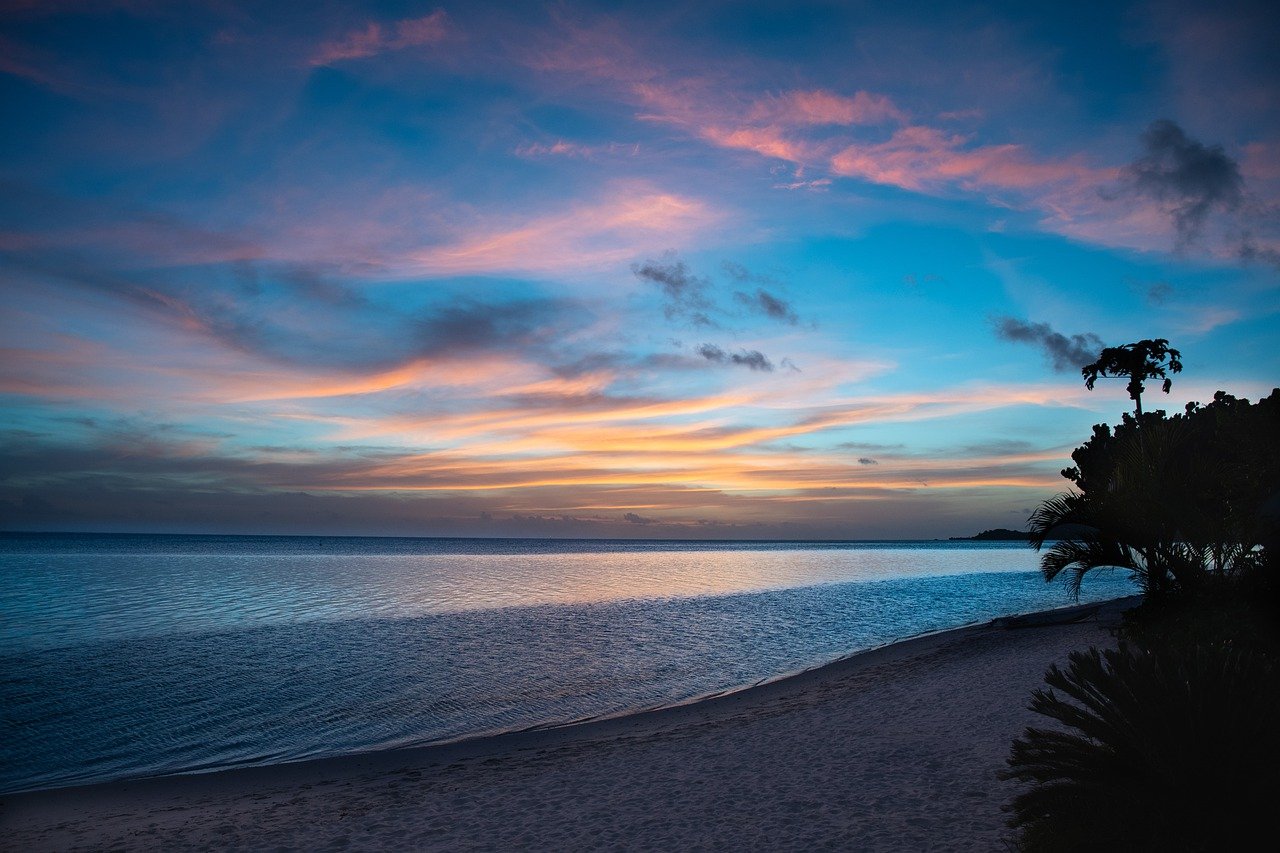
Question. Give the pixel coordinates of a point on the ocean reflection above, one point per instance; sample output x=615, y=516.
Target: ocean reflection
x=116, y=665
x=82, y=595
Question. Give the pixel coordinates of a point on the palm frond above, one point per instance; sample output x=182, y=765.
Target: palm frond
x=1082, y=553
x=1157, y=749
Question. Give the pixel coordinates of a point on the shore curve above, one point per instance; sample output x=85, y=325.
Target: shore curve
x=893, y=748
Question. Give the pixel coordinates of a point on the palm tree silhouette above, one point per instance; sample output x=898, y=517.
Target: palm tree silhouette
x=1146, y=359
x=1123, y=526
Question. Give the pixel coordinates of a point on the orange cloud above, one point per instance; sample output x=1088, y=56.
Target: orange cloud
x=250, y=386
x=785, y=474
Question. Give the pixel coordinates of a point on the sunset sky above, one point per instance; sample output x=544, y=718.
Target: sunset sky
x=770, y=270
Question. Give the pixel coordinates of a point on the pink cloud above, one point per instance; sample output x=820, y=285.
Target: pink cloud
x=819, y=106
x=830, y=134
x=376, y=38
x=599, y=50
x=632, y=219
x=920, y=158
x=766, y=141
x=1261, y=162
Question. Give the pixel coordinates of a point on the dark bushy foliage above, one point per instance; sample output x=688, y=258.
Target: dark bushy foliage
x=1182, y=502
x=1168, y=746
x=1242, y=614
x=1168, y=742
x=1238, y=435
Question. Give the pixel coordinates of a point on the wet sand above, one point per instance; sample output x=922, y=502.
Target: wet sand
x=898, y=748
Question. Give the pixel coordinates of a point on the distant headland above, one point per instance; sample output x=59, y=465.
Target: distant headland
x=999, y=534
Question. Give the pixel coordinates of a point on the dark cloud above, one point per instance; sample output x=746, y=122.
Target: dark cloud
x=684, y=294
x=913, y=281
x=741, y=275
x=1189, y=178
x=998, y=446
x=591, y=401
x=738, y=272
x=117, y=231
x=1251, y=251
x=626, y=363
x=867, y=460
x=308, y=281
x=751, y=359
x=95, y=485
x=474, y=325
x=689, y=298
x=1066, y=354
x=219, y=286
x=1159, y=292
x=870, y=446
x=128, y=454
x=590, y=363
x=763, y=302
x=296, y=316
x=632, y=518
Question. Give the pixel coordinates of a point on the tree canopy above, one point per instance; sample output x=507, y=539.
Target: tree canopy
x=1146, y=359
x=1178, y=500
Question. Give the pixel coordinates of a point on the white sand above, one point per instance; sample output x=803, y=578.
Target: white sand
x=895, y=749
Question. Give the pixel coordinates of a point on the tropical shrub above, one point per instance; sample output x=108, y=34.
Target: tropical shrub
x=1170, y=746
x=1181, y=502
x=1167, y=742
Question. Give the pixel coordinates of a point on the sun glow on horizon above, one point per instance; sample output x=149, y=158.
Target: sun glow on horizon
x=592, y=270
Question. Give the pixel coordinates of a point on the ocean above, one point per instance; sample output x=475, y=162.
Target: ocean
x=125, y=656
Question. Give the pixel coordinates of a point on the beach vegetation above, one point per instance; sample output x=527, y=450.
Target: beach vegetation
x=1162, y=746
x=1161, y=742
x=1183, y=502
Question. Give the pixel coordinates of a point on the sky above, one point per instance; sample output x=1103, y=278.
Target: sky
x=714, y=270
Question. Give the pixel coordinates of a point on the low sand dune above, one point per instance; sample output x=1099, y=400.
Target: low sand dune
x=894, y=749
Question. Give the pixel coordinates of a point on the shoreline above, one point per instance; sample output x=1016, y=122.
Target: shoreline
x=134, y=803
x=473, y=745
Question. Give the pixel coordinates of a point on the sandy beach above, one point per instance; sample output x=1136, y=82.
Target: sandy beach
x=897, y=748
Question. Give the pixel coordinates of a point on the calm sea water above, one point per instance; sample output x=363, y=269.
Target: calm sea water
x=125, y=656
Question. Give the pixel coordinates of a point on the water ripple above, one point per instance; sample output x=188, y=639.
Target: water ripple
x=154, y=689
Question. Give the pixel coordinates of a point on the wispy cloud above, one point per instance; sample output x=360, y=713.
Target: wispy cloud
x=820, y=106
x=375, y=38
x=564, y=148
x=685, y=295
x=629, y=221
x=929, y=159
x=826, y=134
